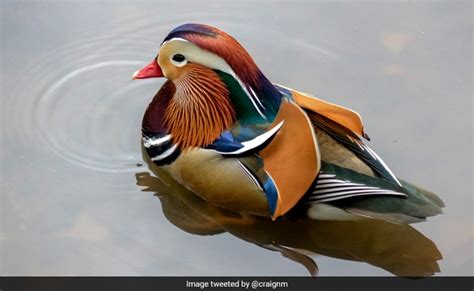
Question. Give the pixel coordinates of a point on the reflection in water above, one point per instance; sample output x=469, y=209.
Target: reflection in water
x=399, y=249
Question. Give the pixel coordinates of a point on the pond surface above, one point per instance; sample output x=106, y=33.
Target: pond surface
x=78, y=199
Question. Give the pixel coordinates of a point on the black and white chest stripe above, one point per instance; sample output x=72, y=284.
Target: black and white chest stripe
x=160, y=148
x=331, y=188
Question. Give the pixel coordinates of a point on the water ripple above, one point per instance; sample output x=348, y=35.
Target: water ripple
x=96, y=131
x=79, y=102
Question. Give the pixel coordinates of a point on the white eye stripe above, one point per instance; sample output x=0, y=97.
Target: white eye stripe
x=197, y=55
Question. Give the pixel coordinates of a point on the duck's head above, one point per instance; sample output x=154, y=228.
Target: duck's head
x=200, y=44
x=210, y=72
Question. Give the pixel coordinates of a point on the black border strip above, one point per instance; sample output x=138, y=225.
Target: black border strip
x=179, y=283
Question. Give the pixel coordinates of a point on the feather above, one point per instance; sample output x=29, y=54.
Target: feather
x=222, y=181
x=343, y=116
x=157, y=142
x=228, y=146
x=200, y=109
x=160, y=148
x=257, y=89
x=373, y=197
x=246, y=110
x=153, y=122
x=354, y=144
x=329, y=187
x=324, y=211
x=292, y=158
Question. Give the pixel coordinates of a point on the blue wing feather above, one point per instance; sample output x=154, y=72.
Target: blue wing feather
x=253, y=165
x=228, y=144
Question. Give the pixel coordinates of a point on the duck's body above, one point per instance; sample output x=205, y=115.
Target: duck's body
x=223, y=130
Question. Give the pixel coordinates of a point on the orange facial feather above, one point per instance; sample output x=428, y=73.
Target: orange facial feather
x=200, y=108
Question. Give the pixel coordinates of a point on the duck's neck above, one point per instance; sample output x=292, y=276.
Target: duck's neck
x=255, y=103
x=194, y=110
x=248, y=111
x=200, y=109
x=153, y=121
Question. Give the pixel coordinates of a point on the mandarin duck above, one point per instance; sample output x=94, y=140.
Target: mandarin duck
x=223, y=130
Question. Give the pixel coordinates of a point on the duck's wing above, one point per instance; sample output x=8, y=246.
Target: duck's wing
x=344, y=126
x=292, y=159
x=244, y=140
x=339, y=114
x=336, y=183
x=354, y=144
x=371, y=197
x=353, y=177
x=289, y=155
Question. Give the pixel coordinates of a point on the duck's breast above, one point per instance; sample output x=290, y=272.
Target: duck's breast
x=219, y=180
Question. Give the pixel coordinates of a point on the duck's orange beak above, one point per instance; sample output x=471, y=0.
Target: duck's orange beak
x=152, y=70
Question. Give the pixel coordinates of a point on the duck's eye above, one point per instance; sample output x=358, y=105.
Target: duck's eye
x=178, y=58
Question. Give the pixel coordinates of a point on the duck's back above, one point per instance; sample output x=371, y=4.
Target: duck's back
x=354, y=179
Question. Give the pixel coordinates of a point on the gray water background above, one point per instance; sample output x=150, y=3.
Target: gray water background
x=70, y=138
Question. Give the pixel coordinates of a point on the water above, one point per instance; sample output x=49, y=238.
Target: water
x=78, y=199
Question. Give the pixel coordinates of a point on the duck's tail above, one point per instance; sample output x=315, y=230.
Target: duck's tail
x=347, y=195
x=416, y=207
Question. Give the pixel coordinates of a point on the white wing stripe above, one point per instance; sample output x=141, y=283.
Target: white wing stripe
x=345, y=196
x=256, y=142
x=249, y=174
x=256, y=97
x=330, y=188
x=341, y=188
x=370, y=152
x=325, y=176
x=376, y=157
x=335, y=185
x=328, y=181
x=368, y=190
x=384, y=165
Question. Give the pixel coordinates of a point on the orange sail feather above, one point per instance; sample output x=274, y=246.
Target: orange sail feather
x=292, y=158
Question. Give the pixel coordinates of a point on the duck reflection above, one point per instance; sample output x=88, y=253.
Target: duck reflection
x=399, y=249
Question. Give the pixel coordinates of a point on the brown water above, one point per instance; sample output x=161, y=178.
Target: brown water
x=72, y=171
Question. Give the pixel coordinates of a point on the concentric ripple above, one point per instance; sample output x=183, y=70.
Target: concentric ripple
x=87, y=120
x=80, y=101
